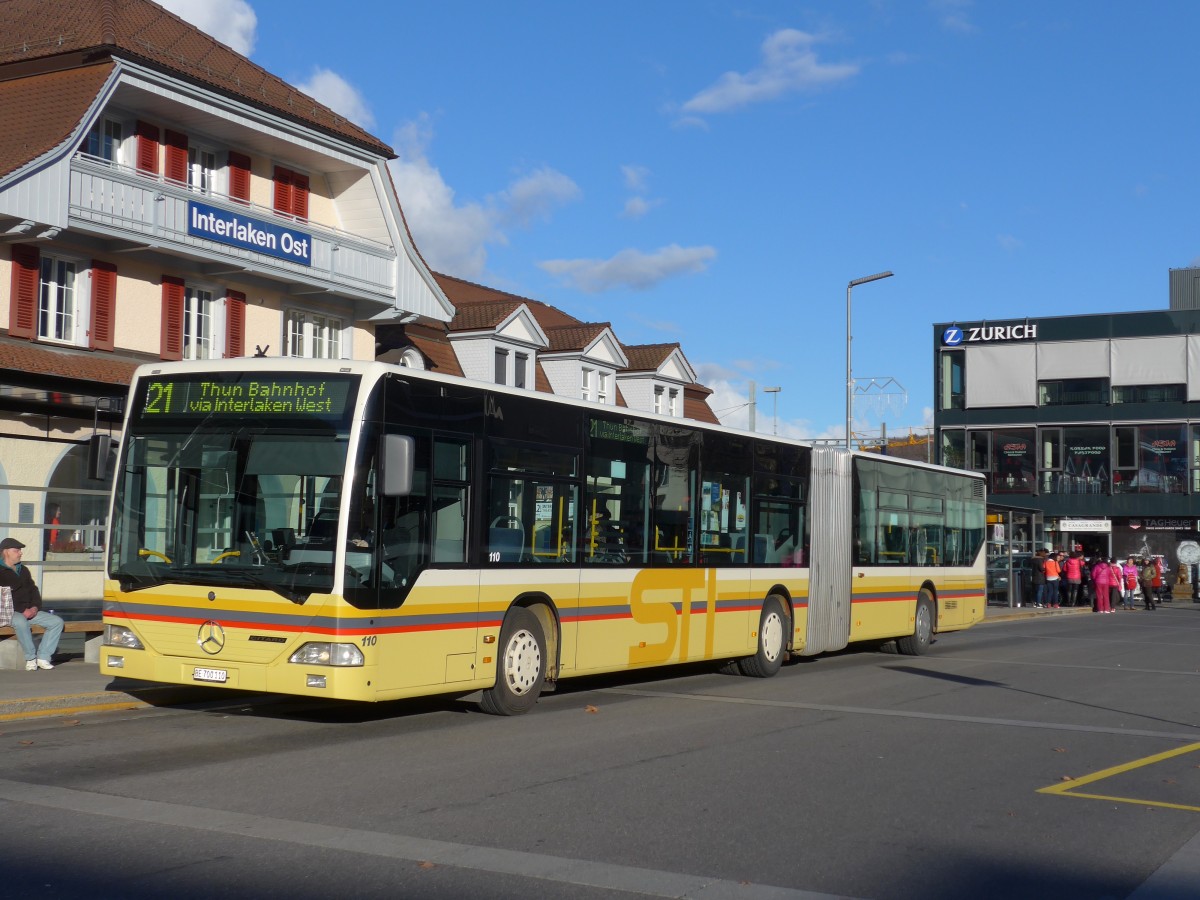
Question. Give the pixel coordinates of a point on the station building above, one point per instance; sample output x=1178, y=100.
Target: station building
x=1088, y=427
x=163, y=198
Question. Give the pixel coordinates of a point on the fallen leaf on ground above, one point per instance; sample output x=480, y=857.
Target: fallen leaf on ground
x=591, y=709
x=1067, y=778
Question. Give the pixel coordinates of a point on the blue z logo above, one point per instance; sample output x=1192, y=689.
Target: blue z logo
x=951, y=337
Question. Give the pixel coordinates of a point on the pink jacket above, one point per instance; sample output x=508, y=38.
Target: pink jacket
x=1102, y=576
x=1072, y=568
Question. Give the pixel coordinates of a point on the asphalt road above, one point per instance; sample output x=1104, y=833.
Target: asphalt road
x=1055, y=757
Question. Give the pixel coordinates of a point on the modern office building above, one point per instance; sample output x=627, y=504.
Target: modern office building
x=1087, y=426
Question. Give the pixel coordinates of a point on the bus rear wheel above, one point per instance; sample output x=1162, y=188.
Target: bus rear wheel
x=918, y=642
x=773, y=627
x=520, y=666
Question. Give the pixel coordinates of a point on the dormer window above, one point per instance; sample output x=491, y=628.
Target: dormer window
x=585, y=389
x=520, y=370
x=602, y=379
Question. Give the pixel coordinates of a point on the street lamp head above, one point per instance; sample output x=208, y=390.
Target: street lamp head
x=772, y=390
x=878, y=276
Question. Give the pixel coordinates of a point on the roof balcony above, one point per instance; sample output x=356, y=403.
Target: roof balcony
x=141, y=210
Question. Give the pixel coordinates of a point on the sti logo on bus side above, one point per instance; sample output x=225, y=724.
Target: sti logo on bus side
x=982, y=334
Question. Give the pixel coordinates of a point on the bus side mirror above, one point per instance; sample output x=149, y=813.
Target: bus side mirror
x=396, y=464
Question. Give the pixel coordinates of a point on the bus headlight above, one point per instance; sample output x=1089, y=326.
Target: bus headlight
x=327, y=654
x=120, y=636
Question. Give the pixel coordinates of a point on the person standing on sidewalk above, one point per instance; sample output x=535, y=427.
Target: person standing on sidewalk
x=1037, y=566
x=27, y=602
x=1102, y=579
x=1053, y=600
x=1146, y=575
x=1072, y=572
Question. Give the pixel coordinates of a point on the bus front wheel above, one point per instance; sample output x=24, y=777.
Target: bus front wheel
x=520, y=666
x=918, y=642
x=773, y=627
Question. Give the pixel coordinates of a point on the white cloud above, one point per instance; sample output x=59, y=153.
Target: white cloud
x=636, y=178
x=1009, y=243
x=629, y=268
x=231, y=22
x=730, y=400
x=636, y=207
x=953, y=15
x=534, y=197
x=453, y=237
x=339, y=95
x=788, y=65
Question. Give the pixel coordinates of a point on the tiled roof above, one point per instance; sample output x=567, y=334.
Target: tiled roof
x=647, y=357
x=695, y=404
x=476, y=316
x=81, y=30
x=40, y=113
x=38, y=359
x=462, y=292
x=574, y=337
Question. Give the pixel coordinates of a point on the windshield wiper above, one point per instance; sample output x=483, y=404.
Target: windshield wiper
x=297, y=597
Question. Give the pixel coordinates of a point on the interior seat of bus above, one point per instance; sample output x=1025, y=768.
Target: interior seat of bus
x=506, y=537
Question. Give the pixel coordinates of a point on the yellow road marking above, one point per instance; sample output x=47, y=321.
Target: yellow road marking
x=72, y=710
x=1068, y=788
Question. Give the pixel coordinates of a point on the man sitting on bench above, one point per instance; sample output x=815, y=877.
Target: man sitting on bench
x=27, y=602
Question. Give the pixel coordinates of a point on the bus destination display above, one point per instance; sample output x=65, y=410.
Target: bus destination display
x=283, y=396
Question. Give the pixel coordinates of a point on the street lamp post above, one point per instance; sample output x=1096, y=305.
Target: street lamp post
x=774, y=392
x=849, y=372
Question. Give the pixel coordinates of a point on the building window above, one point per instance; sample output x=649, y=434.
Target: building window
x=1195, y=459
x=521, y=370
x=202, y=170
x=312, y=336
x=1073, y=392
x=1014, y=459
x=199, y=310
x=673, y=402
x=1150, y=459
x=104, y=141
x=979, y=446
x=1149, y=393
x=658, y=400
x=953, y=448
x=602, y=387
x=501, y=367
x=57, y=300
x=952, y=380
x=291, y=193
x=585, y=391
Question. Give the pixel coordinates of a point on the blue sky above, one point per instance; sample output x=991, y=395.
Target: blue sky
x=715, y=173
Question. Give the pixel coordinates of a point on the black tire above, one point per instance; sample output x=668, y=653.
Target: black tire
x=520, y=666
x=774, y=626
x=917, y=643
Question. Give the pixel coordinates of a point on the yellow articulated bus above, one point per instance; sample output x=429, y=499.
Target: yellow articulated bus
x=361, y=531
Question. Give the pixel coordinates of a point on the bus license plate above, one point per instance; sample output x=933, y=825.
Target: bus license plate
x=218, y=675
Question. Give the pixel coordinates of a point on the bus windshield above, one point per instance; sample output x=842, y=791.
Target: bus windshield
x=229, y=499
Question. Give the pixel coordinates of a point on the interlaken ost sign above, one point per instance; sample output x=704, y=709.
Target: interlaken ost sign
x=987, y=334
x=237, y=230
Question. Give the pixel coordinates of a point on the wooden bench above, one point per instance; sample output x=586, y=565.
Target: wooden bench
x=90, y=628
x=12, y=657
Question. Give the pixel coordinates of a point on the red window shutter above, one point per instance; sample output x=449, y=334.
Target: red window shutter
x=299, y=195
x=172, y=318
x=235, y=324
x=239, y=176
x=147, y=148
x=176, y=168
x=283, y=190
x=104, y=305
x=23, y=308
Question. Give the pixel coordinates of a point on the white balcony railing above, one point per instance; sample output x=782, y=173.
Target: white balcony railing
x=135, y=206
